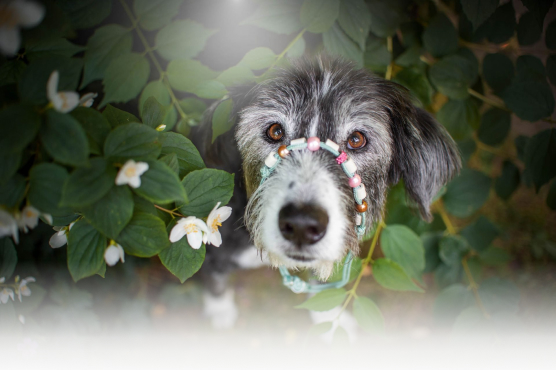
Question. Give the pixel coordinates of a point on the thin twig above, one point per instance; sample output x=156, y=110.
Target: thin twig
x=474, y=287
x=439, y=206
x=282, y=54
x=168, y=211
x=488, y=100
x=390, y=48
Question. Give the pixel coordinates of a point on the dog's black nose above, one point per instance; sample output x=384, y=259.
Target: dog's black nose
x=302, y=225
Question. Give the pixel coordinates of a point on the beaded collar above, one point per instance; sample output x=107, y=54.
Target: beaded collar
x=294, y=283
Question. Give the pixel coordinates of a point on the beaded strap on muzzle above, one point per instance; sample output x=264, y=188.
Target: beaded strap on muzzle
x=348, y=166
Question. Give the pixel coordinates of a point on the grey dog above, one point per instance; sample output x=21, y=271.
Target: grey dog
x=303, y=216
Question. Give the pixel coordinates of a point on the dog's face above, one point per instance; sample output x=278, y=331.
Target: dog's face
x=303, y=215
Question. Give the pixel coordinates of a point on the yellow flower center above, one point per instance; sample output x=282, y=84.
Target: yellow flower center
x=190, y=228
x=24, y=289
x=215, y=224
x=29, y=214
x=130, y=171
x=8, y=17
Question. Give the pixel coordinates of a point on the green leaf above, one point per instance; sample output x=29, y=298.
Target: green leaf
x=171, y=160
x=12, y=191
x=337, y=273
x=499, y=295
x=387, y=16
x=189, y=158
x=188, y=75
x=194, y=109
x=452, y=249
x=111, y=213
x=459, y=117
x=467, y=147
x=32, y=85
x=337, y=42
x=530, y=100
x=392, y=276
x=480, y=234
x=9, y=163
x=317, y=330
x=368, y=315
x=551, y=197
x=124, y=78
x=106, y=44
x=46, y=181
x=161, y=185
x=450, y=302
x=182, y=39
x=528, y=30
x=445, y=275
x=508, y=182
x=86, y=248
x=452, y=76
x=85, y=13
x=180, y=259
x=86, y=185
x=159, y=91
x=550, y=35
x=280, y=17
x=117, y=117
x=153, y=113
x=325, y=300
x=19, y=125
x=236, y=75
x=501, y=25
x=94, y=124
x=416, y=81
x=530, y=67
x=498, y=71
x=551, y=69
x=132, y=141
x=478, y=11
x=49, y=47
x=493, y=256
x=430, y=243
x=205, y=188
x=495, y=127
x=8, y=258
x=440, y=37
x=11, y=72
x=211, y=90
x=259, y=58
x=221, y=120
x=155, y=14
x=319, y=15
x=401, y=245
x=144, y=236
x=538, y=8
x=467, y=193
x=539, y=157
x=297, y=50
x=355, y=20
x=64, y=139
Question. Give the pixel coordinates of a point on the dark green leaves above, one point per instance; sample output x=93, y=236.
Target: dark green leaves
x=401, y=245
x=501, y=25
x=182, y=260
x=478, y=11
x=440, y=37
x=319, y=15
x=64, y=139
x=153, y=113
x=355, y=20
x=204, y=189
x=124, y=78
x=86, y=185
x=95, y=125
x=528, y=30
x=467, y=193
x=8, y=258
x=480, y=234
x=86, y=248
x=539, y=157
x=161, y=185
x=392, y=276
x=367, y=314
x=451, y=249
x=117, y=117
x=46, y=181
x=508, y=181
x=189, y=75
x=336, y=42
x=12, y=191
x=155, y=14
x=550, y=35
x=529, y=99
x=221, y=121
x=459, y=117
x=498, y=70
x=539, y=8
x=111, y=213
x=325, y=300
x=182, y=39
x=416, y=81
x=19, y=125
x=9, y=163
x=495, y=126
x=453, y=75
x=189, y=158
x=86, y=13
x=144, y=236
x=132, y=141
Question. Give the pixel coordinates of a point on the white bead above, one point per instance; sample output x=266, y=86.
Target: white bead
x=301, y=140
x=333, y=145
x=361, y=192
x=350, y=166
x=270, y=160
x=358, y=219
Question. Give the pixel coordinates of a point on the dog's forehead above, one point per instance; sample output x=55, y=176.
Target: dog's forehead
x=324, y=101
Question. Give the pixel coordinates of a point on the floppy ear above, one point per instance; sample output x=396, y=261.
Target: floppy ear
x=425, y=155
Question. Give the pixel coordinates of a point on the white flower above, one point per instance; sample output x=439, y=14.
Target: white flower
x=8, y=226
x=23, y=289
x=13, y=15
x=191, y=226
x=113, y=253
x=2, y=280
x=6, y=294
x=28, y=219
x=48, y=218
x=64, y=101
x=131, y=173
x=60, y=238
x=87, y=100
x=214, y=220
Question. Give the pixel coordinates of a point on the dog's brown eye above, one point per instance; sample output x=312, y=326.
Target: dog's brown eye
x=275, y=132
x=356, y=140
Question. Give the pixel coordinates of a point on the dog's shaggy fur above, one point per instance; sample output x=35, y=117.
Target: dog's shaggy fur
x=330, y=99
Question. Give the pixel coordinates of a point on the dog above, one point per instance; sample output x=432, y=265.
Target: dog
x=304, y=214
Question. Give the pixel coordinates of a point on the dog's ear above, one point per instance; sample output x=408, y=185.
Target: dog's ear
x=425, y=156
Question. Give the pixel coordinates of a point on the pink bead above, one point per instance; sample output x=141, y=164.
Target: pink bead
x=313, y=144
x=341, y=158
x=355, y=181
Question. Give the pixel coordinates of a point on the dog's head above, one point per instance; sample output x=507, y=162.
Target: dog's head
x=303, y=215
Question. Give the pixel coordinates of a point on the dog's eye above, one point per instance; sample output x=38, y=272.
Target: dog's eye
x=275, y=132
x=356, y=140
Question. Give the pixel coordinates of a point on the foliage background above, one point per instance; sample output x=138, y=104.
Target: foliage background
x=486, y=69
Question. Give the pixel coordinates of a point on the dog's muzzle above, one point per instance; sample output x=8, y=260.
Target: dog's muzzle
x=302, y=225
